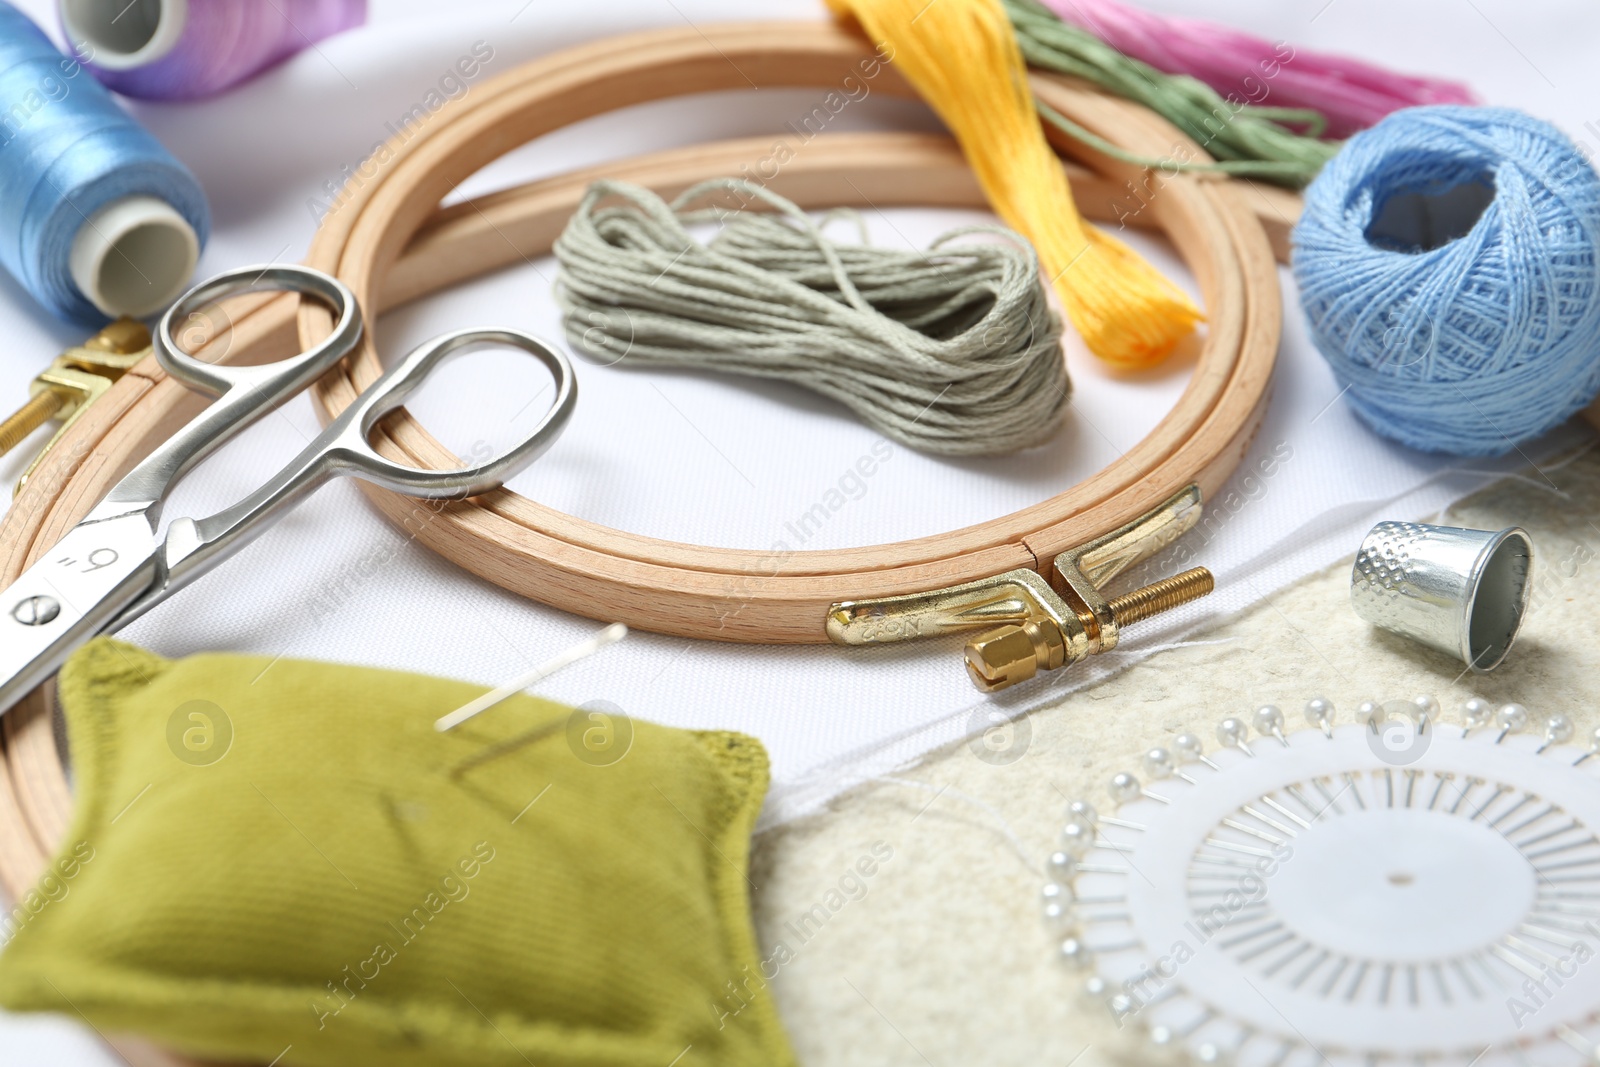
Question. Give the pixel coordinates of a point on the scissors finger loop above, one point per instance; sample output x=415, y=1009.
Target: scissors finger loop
x=289, y=375
x=402, y=380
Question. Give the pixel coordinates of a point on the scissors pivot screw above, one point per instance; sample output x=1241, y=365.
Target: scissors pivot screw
x=36, y=610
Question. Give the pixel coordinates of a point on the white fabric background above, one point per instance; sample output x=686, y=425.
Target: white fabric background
x=724, y=461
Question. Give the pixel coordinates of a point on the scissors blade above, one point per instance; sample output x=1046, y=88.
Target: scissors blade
x=71, y=594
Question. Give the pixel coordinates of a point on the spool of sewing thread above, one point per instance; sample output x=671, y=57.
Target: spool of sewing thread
x=185, y=49
x=1449, y=266
x=96, y=218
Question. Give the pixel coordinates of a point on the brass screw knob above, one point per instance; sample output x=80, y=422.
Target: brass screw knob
x=1013, y=654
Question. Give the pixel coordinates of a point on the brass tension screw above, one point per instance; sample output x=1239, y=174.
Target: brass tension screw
x=1029, y=622
x=1014, y=654
x=40, y=409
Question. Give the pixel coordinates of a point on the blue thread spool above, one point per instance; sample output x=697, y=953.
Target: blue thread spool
x=96, y=217
x=1447, y=263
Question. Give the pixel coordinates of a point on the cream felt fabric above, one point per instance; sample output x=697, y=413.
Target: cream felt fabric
x=944, y=955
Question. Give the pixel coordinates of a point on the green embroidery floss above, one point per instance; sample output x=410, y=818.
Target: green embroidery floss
x=954, y=351
x=1280, y=145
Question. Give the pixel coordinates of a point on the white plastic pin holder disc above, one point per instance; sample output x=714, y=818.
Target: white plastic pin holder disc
x=1399, y=890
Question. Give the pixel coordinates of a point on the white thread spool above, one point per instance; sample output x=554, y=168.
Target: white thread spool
x=134, y=256
x=122, y=36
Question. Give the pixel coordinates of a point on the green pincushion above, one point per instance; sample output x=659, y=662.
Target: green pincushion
x=287, y=860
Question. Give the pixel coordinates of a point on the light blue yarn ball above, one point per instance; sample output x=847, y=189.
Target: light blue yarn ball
x=1456, y=331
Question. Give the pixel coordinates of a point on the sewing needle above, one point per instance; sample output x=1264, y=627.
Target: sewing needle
x=609, y=636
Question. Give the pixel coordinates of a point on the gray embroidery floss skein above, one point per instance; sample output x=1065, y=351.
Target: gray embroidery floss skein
x=954, y=351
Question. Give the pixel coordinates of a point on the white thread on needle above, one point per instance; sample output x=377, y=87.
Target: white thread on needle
x=609, y=636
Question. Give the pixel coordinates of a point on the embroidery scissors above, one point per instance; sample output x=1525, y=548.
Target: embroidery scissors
x=112, y=567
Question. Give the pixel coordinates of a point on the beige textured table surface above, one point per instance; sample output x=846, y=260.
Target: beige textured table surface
x=940, y=956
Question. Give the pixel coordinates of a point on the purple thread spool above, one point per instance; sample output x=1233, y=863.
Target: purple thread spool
x=186, y=49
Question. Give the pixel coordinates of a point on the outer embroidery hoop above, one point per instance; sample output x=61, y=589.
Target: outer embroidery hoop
x=393, y=243
x=754, y=596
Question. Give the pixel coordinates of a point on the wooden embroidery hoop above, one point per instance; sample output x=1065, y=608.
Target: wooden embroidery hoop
x=392, y=243
x=744, y=595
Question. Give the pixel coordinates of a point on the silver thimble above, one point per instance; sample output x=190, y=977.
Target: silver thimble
x=1463, y=592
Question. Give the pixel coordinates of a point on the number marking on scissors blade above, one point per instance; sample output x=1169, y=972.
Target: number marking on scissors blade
x=72, y=593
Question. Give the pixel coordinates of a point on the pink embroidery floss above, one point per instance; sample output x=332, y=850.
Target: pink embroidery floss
x=186, y=49
x=1353, y=95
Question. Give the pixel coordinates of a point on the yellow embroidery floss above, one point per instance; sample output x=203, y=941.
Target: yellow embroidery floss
x=963, y=58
